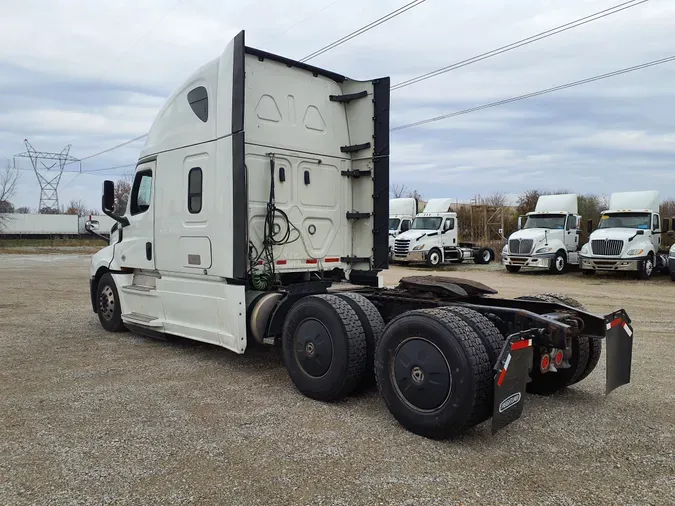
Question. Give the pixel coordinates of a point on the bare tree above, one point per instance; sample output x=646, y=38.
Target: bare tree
x=22, y=210
x=122, y=192
x=398, y=190
x=76, y=207
x=9, y=178
x=496, y=199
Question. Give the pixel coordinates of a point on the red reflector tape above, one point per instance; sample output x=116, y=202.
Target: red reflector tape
x=311, y=261
x=502, y=374
x=281, y=262
x=332, y=260
x=614, y=323
x=521, y=344
x=260, y=262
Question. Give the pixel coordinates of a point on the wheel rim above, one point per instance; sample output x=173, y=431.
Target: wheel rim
x=486, y=256
x=560, y=263
x=649, y=267
x=106, y=303
x=434, y=258
x=421, y=374
x=313, y=347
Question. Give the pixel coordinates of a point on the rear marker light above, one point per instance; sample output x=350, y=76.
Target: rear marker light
x=545, y=362
x=558, y=357
x=281, y=262
x=312, y=261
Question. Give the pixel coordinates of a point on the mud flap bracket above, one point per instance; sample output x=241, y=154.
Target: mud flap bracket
x=512, y=371
x=619, y=350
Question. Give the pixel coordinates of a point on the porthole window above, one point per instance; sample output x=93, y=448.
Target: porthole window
x=199, y=101
x=195, y=190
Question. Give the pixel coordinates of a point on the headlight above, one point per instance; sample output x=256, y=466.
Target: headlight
x=633, y=252
x=418, y=247
x=544, y=250
x=672, y=251
x=505, y=249
x=584, y=249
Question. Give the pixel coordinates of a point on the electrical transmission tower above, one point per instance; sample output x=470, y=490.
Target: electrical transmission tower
x=49, y=179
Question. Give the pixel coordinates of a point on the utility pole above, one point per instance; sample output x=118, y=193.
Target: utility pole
x=49, y=179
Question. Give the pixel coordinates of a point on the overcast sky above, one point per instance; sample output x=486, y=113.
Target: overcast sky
x=94, y=74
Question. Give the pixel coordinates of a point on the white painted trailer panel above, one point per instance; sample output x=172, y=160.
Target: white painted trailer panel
x=63, y=224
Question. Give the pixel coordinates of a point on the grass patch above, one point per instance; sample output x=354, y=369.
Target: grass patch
x=50, y=243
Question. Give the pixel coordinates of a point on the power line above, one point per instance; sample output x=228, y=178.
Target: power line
x=299, y=23
x=520, y=43
x=536, y=93
x=363, y=29
x=113, y=148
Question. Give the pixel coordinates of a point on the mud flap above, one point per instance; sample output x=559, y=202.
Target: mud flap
x=619, y=337
x=510, y=379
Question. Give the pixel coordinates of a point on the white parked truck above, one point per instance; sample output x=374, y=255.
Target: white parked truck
x=402, y=211
x=547, y=238
x=262, y=187
x=628, y=237
x=433, y=239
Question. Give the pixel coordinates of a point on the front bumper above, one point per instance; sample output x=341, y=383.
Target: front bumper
x=528, y=261
x=612, y=264
x=412, y=256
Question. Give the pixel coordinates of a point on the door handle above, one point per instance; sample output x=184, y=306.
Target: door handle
x=148, y=250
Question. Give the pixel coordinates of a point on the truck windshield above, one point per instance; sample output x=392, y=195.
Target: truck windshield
x=393, y=223
x=556, y=221
x=426, y=223
x=625, y=220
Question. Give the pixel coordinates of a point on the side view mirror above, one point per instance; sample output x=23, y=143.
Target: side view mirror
x=666, y=225
x=578, y=227
x=640, y=232
x=91, y=225
x=520, y=222
x=589, y=226
x=108, y=203
x=108, y=200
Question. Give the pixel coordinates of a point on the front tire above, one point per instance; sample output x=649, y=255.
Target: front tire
x=559, y=264
x=433, y=373
x=108, y=304
x=434, y=258
x=647, y=268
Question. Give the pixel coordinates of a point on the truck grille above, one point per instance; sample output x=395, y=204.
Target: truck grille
x=520, y=246
x=609, y=247
x=401, y=247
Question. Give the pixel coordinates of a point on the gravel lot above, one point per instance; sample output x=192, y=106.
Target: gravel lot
x=88, y=417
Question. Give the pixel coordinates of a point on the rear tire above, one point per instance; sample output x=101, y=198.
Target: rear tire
x=549, y=383
x=483, y=257
x=373, y=326
x=594, y=344
x=433, y=343
x=513, y=268
x=108, y=306
x=324, y=347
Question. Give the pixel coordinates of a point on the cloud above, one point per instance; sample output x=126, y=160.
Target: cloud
x=94, y=75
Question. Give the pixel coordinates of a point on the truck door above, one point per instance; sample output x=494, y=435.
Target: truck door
x=448, y=233
x=136, y=250
x=571, y=235
x=656, y=229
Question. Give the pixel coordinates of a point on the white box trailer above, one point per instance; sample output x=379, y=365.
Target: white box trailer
x=263, y=187
x=40, y=224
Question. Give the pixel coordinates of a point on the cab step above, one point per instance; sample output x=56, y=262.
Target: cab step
x=142, y=320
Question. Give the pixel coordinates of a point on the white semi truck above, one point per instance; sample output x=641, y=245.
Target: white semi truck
x=433, y=239
x=402, y=212
x=628, y=237
x=262, y=187
x=548, y=238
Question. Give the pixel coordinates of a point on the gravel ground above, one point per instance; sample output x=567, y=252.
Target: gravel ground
x=88, y=417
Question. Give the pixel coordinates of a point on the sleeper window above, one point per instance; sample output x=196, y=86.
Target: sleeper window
x=195, y=190
x=199, y=102
x=141, y=192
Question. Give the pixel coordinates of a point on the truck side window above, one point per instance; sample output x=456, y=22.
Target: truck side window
x=405, y=225
x=195, y=190
x=199, y=102
x=571, y=222
x=141, y=192
x=656, y=222
x=449, y=224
